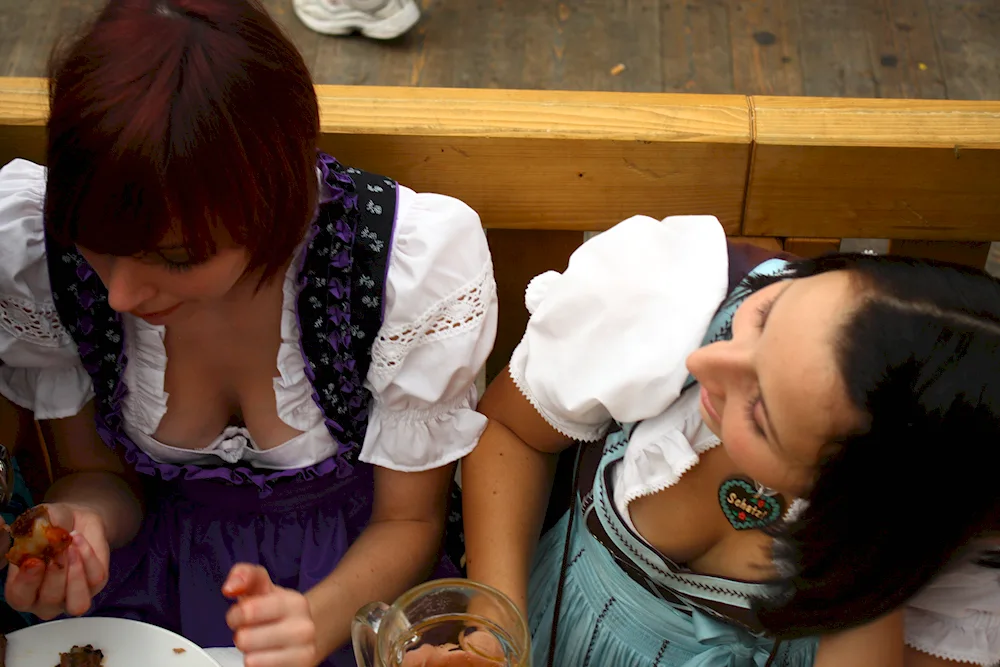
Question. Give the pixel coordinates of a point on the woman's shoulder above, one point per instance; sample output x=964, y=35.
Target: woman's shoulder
x=438, y=329
x=22, y=187
x=24, y=278
x=439, y=277
x=40, y=369
x=22, y=201
x=633, y=302
x=438, y=244
x=957, y=615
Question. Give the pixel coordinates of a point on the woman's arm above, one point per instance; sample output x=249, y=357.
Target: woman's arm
x=90, y=475
x=877, y=644
x=915, y=658
x=87, y=473
x=505, y=489
x=396, y=551
x=92, y=496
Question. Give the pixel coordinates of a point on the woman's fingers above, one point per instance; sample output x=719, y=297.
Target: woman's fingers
x=23, y=584
x=52, y=593
x=70, y=581
x=61, y=515
x=247, y=579
x=78, y=590
x=295, y=656
x=264, y=609
x=421, y=657
x=50, y=590
x=289, y=633
x=483, y=644
x=444, y=656
x=94, y=569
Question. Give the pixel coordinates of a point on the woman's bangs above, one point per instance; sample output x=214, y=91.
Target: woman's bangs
x=124, y=210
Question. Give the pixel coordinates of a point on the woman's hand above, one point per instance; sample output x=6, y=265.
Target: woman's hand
x=446, y=656
x=478, y=649
x=272, y=626
x=68, y=584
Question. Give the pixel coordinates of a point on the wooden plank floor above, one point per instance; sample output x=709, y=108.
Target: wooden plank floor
x=862, y=48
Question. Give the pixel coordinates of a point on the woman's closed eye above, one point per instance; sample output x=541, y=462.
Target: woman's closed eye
x=178, y=267
x=177, y=260
x=752, y=415
x=763, y=311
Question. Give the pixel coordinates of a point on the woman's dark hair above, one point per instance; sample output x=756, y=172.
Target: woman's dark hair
x=903, y=497
x=187, y=116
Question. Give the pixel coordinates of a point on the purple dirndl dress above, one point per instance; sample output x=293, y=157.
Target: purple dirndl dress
x=202, y=520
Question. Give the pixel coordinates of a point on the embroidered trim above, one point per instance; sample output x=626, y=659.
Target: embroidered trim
x=634, y=494
x=580, y=435
x=945, y=655
x=33, y=322
x=663, y=570
x=699, y=449
x=461, y=311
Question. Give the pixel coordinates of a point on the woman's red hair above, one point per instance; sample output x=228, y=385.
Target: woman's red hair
x=187, y=117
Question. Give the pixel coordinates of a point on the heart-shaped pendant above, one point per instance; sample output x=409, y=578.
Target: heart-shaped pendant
x=745, y=507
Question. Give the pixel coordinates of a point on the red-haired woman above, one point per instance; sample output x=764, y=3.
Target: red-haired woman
x=278, y=352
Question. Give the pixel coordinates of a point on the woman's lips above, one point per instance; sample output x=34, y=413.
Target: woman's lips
x=153, y=318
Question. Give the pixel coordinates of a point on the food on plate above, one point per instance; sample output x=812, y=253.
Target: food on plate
x=36, y=537
x=81, y=656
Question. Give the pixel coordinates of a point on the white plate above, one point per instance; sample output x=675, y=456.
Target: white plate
x=124, y=643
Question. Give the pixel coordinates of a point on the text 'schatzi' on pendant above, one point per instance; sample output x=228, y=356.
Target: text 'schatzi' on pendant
x=746, y=506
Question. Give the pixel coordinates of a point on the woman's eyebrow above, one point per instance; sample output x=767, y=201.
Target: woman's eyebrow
x=770, y=423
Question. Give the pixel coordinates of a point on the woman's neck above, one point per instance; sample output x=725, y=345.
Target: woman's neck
x=249, y=305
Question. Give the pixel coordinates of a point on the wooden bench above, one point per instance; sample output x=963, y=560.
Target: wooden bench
x=544, y=168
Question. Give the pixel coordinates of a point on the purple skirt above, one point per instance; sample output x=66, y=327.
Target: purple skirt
x=171, y=574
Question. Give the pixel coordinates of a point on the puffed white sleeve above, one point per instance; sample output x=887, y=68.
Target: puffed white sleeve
x=439, y=327
x=40, y=369
x=957, y=616
x=608, y=338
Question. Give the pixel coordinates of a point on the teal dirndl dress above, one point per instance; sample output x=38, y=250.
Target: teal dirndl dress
x=623, y=604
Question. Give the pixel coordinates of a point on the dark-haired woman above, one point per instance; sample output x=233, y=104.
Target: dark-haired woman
x=775, y=459
x=279, y=352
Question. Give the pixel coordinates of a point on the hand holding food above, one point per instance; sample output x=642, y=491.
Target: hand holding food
x=35, y=537
x=59, y=560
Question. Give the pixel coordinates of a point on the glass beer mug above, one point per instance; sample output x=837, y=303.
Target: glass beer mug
x=446, y=623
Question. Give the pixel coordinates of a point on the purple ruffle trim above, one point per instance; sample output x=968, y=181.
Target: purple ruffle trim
x=264, y=481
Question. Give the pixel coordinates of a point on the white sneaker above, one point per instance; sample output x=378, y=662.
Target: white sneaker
x=376, y=19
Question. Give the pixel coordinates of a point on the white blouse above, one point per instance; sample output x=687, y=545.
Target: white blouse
x=439, y=327
x=607, y=341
